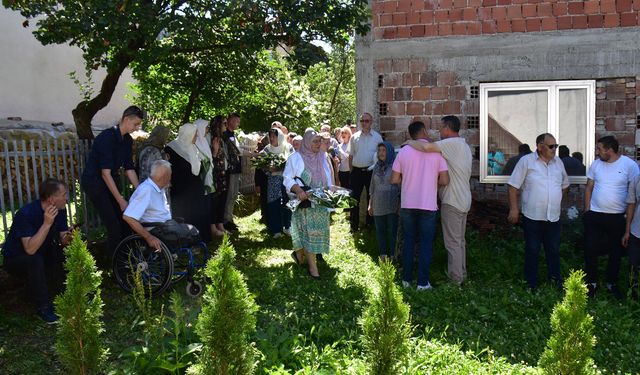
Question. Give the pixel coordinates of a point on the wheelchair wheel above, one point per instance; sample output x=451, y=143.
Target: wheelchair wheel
x=134, y=255
x=194, y=289
x=195, y=257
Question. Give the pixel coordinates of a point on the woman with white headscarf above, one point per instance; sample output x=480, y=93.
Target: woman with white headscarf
x=204, y=149
x=309, y=226
x=188, y=198
x=278, y=216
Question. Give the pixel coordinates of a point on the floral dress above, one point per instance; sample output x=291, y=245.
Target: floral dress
x=310, y=226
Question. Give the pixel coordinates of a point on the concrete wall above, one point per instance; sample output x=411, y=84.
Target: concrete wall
x=34, y=80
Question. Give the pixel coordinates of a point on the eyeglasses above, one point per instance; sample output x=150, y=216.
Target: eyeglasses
x=551, y=147
x=365, y=120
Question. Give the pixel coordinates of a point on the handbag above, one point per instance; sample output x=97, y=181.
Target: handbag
x=305, y=203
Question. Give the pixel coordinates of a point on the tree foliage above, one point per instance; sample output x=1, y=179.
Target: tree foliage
x=116, y=34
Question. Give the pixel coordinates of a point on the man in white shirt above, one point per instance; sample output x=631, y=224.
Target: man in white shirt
x=456, y=196
x=605, y=203
x=149, y=204
x=542, y=179
x=364, y=145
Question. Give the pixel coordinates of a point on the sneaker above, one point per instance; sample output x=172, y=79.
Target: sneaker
x=424, y=287
x=615, y=292
x=591, y=290
x=277, y=235
x=287, y=231
x=48, y=315
x=406, y=284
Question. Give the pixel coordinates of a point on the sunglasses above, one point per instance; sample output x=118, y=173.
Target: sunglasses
x=551, y=147
x=365, y=120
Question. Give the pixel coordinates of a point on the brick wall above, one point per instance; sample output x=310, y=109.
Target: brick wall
x=397, y=19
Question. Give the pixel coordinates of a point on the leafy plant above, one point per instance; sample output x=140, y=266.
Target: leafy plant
x=571, y=344
x=79, y=337
x=227, y=319
x=386, y=324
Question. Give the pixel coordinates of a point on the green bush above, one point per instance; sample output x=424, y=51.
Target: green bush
x=572, y=342
x=227, y=319
x=79, y=342
x=385, y=324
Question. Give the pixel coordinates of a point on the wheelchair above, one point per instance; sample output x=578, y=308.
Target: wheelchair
x=180, y=254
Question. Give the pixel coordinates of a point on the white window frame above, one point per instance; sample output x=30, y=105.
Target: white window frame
x=552, y=87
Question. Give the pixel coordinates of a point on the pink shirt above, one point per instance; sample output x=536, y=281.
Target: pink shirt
x=419, y=177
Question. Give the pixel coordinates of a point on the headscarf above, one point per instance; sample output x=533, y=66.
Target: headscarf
x=183, y=146
x=313, y=161
x=382, y=166
x=205, y=151
x=282, y=148
x=157, y=138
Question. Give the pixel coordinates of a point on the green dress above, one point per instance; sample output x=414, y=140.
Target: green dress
x=310, y=226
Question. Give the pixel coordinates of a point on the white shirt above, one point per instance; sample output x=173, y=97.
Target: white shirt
x=364, y=147
x=295, y=167
x=457, y=153
x=611, y=184
x=148, y=204
x=343, y=154
x=633, y=196
x=542, y=185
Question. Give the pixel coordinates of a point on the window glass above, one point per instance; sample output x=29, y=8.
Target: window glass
x=572, y=129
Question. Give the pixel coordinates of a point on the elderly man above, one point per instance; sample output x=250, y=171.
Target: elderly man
x=364, y=145
x=149, y=204
x=542, y=178
x=33, y=250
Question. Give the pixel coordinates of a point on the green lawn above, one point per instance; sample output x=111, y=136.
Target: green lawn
x=491, y=325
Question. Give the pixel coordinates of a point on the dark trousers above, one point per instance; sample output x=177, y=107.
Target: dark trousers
x=541, y=233
x=345, y=179
x=218, y=200
x=360, y=179
x=278, y=217
x=418, y=226
x=43, y=271
x=596, y=226
x=110, y=215
x=633, y=250
x=386, y=233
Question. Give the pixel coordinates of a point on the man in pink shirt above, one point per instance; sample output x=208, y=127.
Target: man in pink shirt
x=420, y=174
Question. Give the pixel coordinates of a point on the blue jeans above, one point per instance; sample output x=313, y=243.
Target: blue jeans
x=386, y=233
x=417, y=226
x=278, y=217
x=538, y=233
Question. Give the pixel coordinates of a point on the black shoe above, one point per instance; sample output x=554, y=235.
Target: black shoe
x=313, y=277
x=615, y=292
x=591, y=290
x=294, y=256
x=230, y=226
x=319, y=258
x=48, y=315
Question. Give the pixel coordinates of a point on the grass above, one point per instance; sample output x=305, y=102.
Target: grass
x=491, y=325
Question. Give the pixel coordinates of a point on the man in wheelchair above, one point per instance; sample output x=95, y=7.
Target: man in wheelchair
x=149, y=215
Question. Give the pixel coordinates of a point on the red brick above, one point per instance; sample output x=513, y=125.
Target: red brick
x=444, y=29
x=475, y=3
x=545, y=10
x=560, y=9
x=426, y=17
x=442, y=15
x=431, y=30
x=420, y=93
x=615, y=92
x=386, y=20
x=452, y=107
x=385, y=95
x=376, y=7
x=485, y=14
x=410, y=79
x=636, y=4
x=428, y=108
x=378, y=33
x=489, y=27
x=387, y=123
x=576, y=7
x=499, y=13
x=608, y=6
x=458, y=92
x=489, y=3
x=533, y=24
x=619, y=107
x=399, y=19
x=504, y=26
x=404, y=6
x=596, y=20
x=564, y=23
x=383, y=66
x=392, y=80
x=469, y=14
x=459, y=3
x=400, y=65
x=518, y=26
x=611, y=20
x=605, y=108
x=439, y=93
x=630, y=107
x=455, y=15
x=514, y=12
x=415, y=108
x=549, y=23
x=389, y=33
x=417, y=66
x=438, y=108
x=417, y=31
x=389, y=6
x=459, y=28
x=628, y=19
x=471, y=107
x=624, y=5
x=396, y=109
x=413, y=18
x=474, y=28
x=446, y=78
x=429, y=5
x=428, y=79
x=417, y=5
x=504, y=2
x=615, y=124
x=579, y=22
x=403, y=32
x=529, y=10
x=592, y=7
x=446, y=4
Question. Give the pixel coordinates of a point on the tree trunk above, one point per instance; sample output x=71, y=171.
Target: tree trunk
x=193, y=96
x=343, y=67
x=86, y=109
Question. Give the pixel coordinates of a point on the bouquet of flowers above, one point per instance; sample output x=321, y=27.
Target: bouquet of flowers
x=335, y=197
x=267, y=161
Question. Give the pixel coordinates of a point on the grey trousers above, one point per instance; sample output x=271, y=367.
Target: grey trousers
x=232, y=195
x=454, y=225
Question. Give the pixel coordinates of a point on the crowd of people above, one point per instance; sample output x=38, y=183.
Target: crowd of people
x=404, y=193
